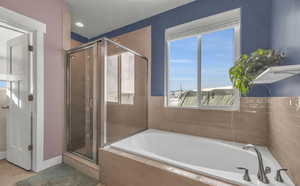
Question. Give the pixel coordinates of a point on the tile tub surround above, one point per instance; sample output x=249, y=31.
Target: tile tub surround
x=249, y=125
x=124, y=169
x=284, y=133
x=273, y=122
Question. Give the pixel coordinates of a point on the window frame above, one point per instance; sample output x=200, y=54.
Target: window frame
x=218, y=22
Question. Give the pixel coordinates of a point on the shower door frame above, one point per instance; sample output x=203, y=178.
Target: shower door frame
x=94, y=99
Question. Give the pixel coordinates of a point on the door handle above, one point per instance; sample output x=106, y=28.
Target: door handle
x=5, y=107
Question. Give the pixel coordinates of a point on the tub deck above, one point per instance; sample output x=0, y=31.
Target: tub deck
x=204, y=157
x=120, y=168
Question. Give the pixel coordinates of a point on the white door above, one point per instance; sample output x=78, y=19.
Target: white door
x=19, y=114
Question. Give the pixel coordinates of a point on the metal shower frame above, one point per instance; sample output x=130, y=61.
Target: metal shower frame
x=99, y=94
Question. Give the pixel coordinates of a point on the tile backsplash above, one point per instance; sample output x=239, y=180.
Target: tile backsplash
x=284, y=133
x=249, y=125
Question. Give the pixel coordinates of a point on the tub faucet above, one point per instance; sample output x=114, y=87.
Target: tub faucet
x=262, y=172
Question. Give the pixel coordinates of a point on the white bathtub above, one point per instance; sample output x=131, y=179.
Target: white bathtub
x=214, y=158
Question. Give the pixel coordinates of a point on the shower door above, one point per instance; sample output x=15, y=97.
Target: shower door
x=81, y=98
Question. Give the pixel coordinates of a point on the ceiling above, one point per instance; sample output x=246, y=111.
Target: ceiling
x=102, y=16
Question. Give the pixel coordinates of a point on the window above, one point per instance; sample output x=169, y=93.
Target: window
x=127, y=78
x=112, y=78
x=182, y=71
x=120, y=78
x=199, y=56
x=3, y=84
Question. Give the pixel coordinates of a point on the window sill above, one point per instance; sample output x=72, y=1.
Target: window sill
x=210, y=108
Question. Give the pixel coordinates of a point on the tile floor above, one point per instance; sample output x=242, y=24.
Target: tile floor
x=11, y=174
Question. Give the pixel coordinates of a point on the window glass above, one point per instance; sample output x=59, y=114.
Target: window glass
x=121, y=78
x=127, y=78
x=112, y=78
x=198, y=70
x=3, y=84
x=182, y=71
x=217, y=57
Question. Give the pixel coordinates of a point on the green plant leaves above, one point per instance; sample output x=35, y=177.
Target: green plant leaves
x=248, y=67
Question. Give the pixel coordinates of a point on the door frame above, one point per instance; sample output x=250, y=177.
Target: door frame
x=38, y=29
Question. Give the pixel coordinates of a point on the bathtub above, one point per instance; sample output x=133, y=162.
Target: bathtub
x=210, y=157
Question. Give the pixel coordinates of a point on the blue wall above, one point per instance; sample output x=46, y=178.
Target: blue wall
x=265, y=24
x=255, y=30
x=286, y=37
x=78, y=37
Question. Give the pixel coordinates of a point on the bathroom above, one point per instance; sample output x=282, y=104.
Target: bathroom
x=143, y=93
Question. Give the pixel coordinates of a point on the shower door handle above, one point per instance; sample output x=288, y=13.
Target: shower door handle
x=5, y=107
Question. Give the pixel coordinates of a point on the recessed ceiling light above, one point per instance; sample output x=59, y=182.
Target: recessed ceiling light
x=79, y=24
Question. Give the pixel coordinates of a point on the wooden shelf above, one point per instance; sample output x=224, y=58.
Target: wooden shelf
x=277, y=73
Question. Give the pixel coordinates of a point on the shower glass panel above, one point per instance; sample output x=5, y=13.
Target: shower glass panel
x=107, y=96
x=126, y=92
x=82, y=138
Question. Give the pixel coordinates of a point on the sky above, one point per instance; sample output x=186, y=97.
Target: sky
x=217, y=56
x=2, y=84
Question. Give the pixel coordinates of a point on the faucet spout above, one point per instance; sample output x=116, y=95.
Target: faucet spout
x=261, y=175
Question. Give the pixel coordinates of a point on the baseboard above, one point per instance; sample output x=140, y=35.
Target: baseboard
x=51, y=162
x=2, y=155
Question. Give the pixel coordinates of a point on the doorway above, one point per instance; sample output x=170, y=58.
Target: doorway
x=16, y=77
x=38, y=32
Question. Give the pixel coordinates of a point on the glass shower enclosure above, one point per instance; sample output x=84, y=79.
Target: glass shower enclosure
x=106, y=93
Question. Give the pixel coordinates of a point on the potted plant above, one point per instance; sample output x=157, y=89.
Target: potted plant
x=248, y=67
